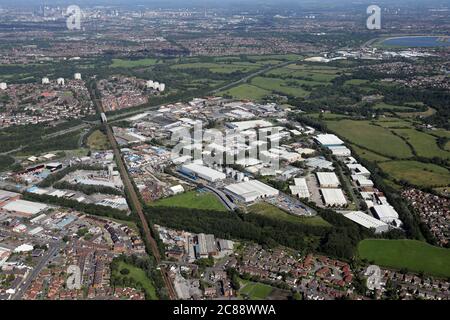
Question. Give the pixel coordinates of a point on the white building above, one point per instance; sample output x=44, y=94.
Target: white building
x=300, y=188
x=385, y=213
x=251, y=124
x=177, y=189
x=149, y=84
x=340, y=151
x=77, y=76
x=328, y=180
x=333, y=197
x=60, y=81
x=45, y=80
x=367, y=221
x=203, y=172
x=329, y=140
x=250, y=191
x=23, y=207
x=3, y=86
x=162, y=87
x=356, y=168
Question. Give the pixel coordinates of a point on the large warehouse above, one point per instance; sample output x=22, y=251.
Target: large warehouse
x=329, y=140
x=203, y=172
x=328, y=180
x=367, y=221
x=24, y=208
x=385, y=213
x=300, y=189
x=250, y=191
x=333, y=197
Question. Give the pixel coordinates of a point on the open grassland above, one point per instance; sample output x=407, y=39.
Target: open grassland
x=121, y=63
x=429, y=112
x=368, y=155
x=270, y=211
x=374, y=138
x=217, y=67
x=192, y=200
x=98, y=141
x=411, y=254
x=288, y=87
x=385, y=106
x=139, y=276
x=246, y=91
x=417, y=173
x=254, y=290
x=424, y=144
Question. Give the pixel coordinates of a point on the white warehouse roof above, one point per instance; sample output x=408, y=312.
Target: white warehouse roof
x=23, y=206
x=245, y=125
x=328, y=179
x=252, y=190
x=329, y=140
x=204, y=172
x=385, y=212
x=367, y=221
x=333, y=197
x=300, y=188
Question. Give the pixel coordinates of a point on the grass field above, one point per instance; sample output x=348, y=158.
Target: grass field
x=356, y=82
x=417, y=173
x=382, y=105
x=411, y=254
x=121, y=63
x=254, y=290
x=424, y=144
x=139, y=276
x=246, y=91
x=288, y=87
x=372, y=137
x=217, y=67
x=97, y=141
x=368, y=155
x=193, y=200
x=268, y=210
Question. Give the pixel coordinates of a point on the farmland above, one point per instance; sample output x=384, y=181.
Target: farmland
x=373, y=138
x=411, y=254
x=417, y=173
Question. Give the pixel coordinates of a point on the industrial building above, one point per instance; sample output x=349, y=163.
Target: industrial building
x=333, y=197
x=300, y=188
x=386, y=213
x=329, y=140
x=202, y=172
x=6, y=196
x=206, y=245
x=251, y=124
x=367, y=221
x=250, y=191
x=340, y=151
x=328, y=180
x=24, y=208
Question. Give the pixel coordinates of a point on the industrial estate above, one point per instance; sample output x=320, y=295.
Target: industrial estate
x=186, y=154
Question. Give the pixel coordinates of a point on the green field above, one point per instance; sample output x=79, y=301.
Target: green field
x=97, y=141
x=356, y=82
x=411, y=254
x=139, y=276
x=121, y=63
x=288, y=87
x=368, y=155
x=217, y=67
x=382, y=105
x=268, y=210
x=424, y=144
x=417, y=173
x=255, y=290
x=192, y=200
x=246, y=91
x=374, y=138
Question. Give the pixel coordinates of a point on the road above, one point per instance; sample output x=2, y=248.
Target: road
x=54, y=248
x=136, y=205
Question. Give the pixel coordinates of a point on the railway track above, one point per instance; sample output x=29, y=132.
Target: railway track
x=137, y=206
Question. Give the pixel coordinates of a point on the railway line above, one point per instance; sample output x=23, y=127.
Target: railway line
x=135, y=203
